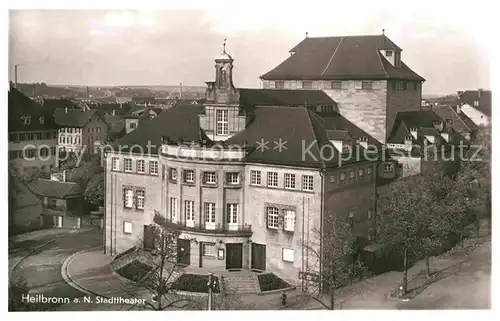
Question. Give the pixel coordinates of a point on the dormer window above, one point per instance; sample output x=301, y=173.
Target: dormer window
x=388, y=53
x=41, y=119
x=279, y=84
x=26, y=119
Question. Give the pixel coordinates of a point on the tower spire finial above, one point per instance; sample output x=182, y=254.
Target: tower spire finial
x=307, y=33
x=224, y=50
x=383, y=32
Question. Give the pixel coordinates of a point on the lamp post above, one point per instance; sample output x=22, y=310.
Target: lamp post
x=212, y=282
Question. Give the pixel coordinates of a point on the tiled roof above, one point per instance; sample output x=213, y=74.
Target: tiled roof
x=72, y=117
x=483, y=97
x=468, y=121
x=334, y=121
x=283, y=97
x=20, y=106
x=48, y=188
x=53, y=104
x=342, y=58
x=119, y=109
x=420, y=119
x=457, y=122
x=178, y=122
x=337, y=134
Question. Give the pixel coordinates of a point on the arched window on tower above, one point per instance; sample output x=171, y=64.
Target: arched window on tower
x=222, y=77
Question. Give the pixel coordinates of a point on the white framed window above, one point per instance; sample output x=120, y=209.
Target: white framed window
x=279, y=84
x=255, y=178
x=140, y=166
x=388, y=53
x=272, y=179
x=189, y=211
x=369, y=170
x=153, y=167
x=173, y=209
x=369, y=214
x=476, y=103
x=209, y=249
x=272, y=217
x=141, y=199
x=128, y=198
x=127, y=227
x=342, y=176
x=232, y=214
x=367, y=85
x=289, y=221
x=289, y=181
x=307, y=84
x=233, y=178
x=351, y=174
x=210, y=215
x=115, y=164
x=361, y=172
x=388, y=168
x=308, y=183
x=127, y=164
x=336, y=85
x=209, y=178
x=172, y=174
x=288, y=255
x=189, y=176
x=222, y=121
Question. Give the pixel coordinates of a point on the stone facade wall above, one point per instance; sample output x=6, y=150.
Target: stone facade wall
x=401, y=100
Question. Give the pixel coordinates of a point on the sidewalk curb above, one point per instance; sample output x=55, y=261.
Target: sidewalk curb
x=70, y=281
x=28, y=255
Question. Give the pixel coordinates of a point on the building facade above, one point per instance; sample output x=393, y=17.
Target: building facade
x=244, y=192
x=32, y=133
x=364, y=74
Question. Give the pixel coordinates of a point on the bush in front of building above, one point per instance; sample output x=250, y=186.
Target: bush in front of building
x=270, y=281
x=134, y=271
x=194, y=283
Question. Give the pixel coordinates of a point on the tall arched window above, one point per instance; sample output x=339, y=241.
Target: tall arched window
x=222, y=77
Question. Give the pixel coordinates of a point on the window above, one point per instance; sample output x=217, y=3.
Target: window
x=210, y=214
x=232, y=214
x=369, y=170
x=222, y=122
x=127, y=227
x=30, y=153
x=255, y=178
x=367, y=85
x=289, y=180
x=30, y=136
x=342, y=176
x=70, y=130
x=405, y=85
x=153, y=167
x=370, y=234
x=272, y=217
x=351, y=219
x=38, y=136
x=361, y=172
x=307, y=84
x=172, y=174
x=388, y=53
x=209, y=249
x=476, y=103
x=173, y=209
x=132, y=126
x=387, y=168
x=369, y=214
x=128, y=165
x=332, y=178
x=44, y=152
x=141, y=199
x=189, y=176
x=26, y=119
x=279, y=84
x=336, y=85
x=128, y=196
x=307, y=183
x=351, y=174
x=115, y=164
x=289, y=221
x=189, y=211
x=232, y=178
x=272, y=179
x=288, y=255
x=140, y=166
x=209, y=178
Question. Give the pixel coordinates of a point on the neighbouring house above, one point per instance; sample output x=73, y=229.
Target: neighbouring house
x=136, y=117
x=62, y=202
x=476, y=105
x=32, y=133
x=246, y=177
x=143, y=100
x=80, y=131
x=456, y=119
x=365, y=75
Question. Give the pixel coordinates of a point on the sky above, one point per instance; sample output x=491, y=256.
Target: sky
x=445, y=42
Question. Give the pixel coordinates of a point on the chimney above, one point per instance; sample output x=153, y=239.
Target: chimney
x=413, y=132
x=88, y=93
x=64, y=176
x=459, y=109
x=33, y=90
x=180, y=94
x=408, y=141
x=479, y=91
x=113, y=113
x=66, y=109
x=438, y=125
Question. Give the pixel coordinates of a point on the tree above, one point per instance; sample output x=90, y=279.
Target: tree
x=335, y=259
x=19, y=288
x=409, y=221
x=94, y=192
